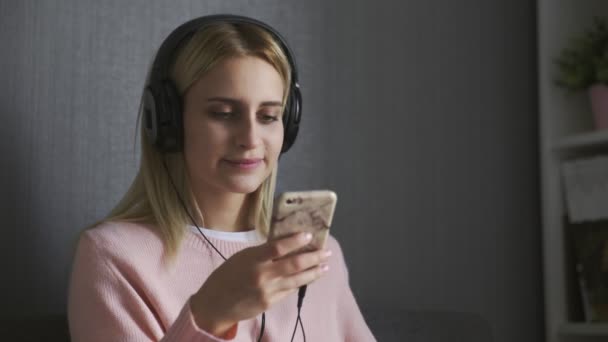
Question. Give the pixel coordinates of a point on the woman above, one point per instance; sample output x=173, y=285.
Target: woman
x=184, y=256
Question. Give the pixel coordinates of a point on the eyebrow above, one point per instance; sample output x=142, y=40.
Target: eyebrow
x=236, y=102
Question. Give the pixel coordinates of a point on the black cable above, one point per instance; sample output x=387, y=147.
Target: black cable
x=302, y=326
x=199, y=230
x=262, y=327
x=295, y=328
x=301, y=294
x=188, y=213
x=301, y=291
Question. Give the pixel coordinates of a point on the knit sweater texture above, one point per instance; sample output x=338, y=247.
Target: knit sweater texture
x=123, y=289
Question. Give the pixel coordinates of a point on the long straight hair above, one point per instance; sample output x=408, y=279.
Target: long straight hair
x=151, y=198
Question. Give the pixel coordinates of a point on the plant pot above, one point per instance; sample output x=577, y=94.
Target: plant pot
x=598, y=94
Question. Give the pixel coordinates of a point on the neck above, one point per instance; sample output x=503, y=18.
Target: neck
x=224, y=211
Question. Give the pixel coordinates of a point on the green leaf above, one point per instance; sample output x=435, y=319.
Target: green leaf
x=585, y=60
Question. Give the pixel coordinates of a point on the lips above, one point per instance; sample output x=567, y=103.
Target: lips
x=244, y=161
x=245, y=164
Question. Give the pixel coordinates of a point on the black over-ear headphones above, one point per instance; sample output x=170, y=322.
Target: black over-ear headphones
x=162, y=104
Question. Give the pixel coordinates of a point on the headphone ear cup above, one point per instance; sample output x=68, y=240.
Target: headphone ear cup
x=174, y=128
x=291, y=117
x=150, y=115
x=163, y=117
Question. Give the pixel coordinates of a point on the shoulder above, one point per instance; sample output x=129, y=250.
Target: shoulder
x=333, y=244
x=118, y=235
x=116, y=240
x=337, y=260
x=118, y=231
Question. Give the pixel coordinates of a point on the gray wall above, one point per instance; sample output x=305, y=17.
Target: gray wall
x=420, y=114
x=434, y=153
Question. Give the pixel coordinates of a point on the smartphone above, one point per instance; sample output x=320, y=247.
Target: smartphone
x=303, y=211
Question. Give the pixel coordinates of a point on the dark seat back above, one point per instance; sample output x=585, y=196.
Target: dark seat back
x=36, y=328
x=390, y=325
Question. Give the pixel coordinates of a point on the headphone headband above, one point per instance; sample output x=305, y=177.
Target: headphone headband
x=164, y=56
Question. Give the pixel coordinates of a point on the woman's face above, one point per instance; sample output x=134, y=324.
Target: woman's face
x=233, y=131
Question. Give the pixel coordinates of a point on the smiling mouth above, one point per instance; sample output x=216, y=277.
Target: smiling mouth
x=244, y=164
x=245, y=161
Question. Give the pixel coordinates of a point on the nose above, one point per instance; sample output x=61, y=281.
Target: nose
x=248, y=135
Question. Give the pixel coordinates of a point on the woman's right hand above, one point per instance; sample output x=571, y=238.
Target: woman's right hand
x=252, y=280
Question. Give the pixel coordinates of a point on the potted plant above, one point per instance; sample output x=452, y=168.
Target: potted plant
x=583, y=65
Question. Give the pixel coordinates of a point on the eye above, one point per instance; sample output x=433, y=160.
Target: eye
x=268, y=118
x=222, y=115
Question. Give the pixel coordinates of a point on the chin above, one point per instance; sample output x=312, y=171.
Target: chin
x=244, y=183
x=243, y=187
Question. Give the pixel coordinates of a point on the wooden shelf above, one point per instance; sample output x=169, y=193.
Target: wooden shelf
x=584, y=329
x=582, y=140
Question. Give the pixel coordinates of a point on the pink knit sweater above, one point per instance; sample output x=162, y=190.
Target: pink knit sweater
x=122, y=290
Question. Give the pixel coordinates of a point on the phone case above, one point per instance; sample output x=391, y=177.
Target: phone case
x=303, y=211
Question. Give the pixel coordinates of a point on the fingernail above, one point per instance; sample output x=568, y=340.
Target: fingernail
x=327, y=253
x=308, y=236
x=324, y=267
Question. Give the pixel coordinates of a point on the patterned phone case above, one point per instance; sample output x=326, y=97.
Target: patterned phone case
x=303, y=211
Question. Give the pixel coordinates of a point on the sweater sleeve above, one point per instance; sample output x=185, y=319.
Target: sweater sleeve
x=351, y=320
x=103, y=305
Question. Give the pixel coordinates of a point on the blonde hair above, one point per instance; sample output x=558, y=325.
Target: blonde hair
x=151, y=198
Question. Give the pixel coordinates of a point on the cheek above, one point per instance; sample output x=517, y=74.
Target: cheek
x=201, y=143
x=200, y=134
x=277, y=140
x=193, y=140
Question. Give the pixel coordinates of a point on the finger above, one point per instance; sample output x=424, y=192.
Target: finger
x=298, y=263
x=281, y=247
x=302, y=278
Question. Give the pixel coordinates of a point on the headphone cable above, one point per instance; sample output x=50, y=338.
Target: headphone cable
x=301, y=294
x=211, y=244
x=301, y=291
